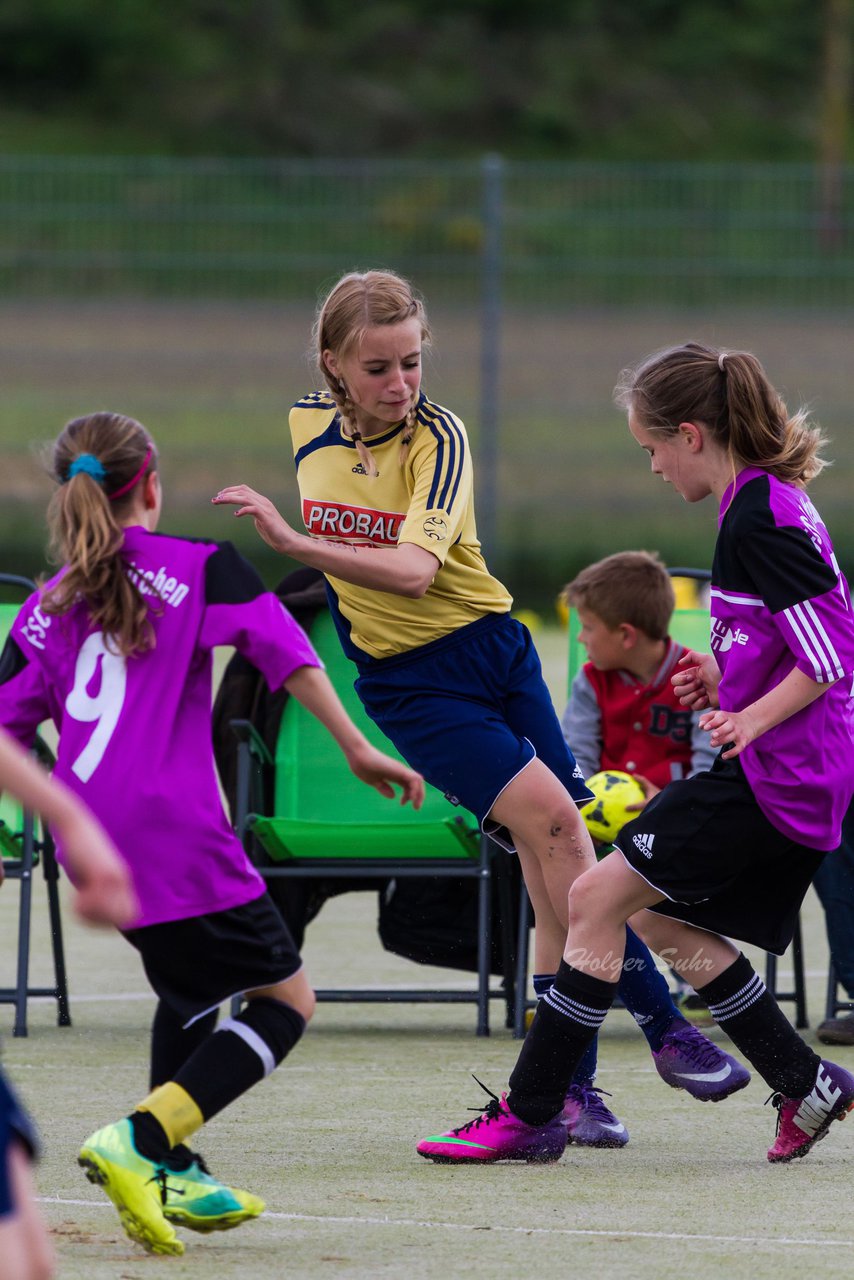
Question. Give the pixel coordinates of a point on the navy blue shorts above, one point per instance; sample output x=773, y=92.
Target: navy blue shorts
x=15, y=1126
x=469, y=712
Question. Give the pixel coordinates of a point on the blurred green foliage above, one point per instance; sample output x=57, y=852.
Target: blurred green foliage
x=611, y=79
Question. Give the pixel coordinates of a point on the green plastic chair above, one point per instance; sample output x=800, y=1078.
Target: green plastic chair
x=691, y=627
x=24, y=843
x=324, y=821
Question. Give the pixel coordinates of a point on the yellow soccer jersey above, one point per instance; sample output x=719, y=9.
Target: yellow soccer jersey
x=428, y=501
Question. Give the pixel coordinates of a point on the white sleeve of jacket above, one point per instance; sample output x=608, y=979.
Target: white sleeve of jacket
x=582, y=725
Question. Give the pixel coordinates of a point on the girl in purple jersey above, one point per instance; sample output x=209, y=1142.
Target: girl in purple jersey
x=117, y=650
x=732, y=850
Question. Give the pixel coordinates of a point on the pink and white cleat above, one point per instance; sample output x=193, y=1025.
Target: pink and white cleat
x=497, y=1134
x=802, y=1122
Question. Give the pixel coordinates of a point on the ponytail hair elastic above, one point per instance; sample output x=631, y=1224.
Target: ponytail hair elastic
x=91, y=465
x=126, y=488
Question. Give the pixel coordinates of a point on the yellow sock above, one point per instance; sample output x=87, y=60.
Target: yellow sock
x=175, y=1110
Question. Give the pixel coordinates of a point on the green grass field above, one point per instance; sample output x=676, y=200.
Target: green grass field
x=329, y=1139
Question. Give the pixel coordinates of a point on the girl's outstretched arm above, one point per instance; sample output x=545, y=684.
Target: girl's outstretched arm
x=404, y=570
x=312, y=687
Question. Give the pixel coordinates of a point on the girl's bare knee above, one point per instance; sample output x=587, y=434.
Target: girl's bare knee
x=307, y=1005
x=299, y=994
x=296, y=992
x=584, y=896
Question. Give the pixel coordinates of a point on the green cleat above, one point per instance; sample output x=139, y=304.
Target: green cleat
x=196, y=1200
x=135, y=1185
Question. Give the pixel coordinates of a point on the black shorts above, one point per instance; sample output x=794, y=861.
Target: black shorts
x=707, y=846
x=15, y=1126
x=194, y=965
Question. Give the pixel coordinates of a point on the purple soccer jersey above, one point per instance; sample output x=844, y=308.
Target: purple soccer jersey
x=778, y=602
x=135, y=734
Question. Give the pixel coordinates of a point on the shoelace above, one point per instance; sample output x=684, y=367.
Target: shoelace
x=160, y=1177
x=178, y=1161
x=493, y=1109
x=697, y=1047
x=777, y=1100
x=590, y=1097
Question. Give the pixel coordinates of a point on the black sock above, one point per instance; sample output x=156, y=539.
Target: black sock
x=149, y=1136
x=742, y=1006
x=240, y=1053
x=172, y=1043
x=567, y=1019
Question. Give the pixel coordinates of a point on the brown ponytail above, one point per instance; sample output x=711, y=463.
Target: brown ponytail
x=98, y=462
x=730, y=394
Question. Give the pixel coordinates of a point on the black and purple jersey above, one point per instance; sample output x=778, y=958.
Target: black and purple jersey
x=779, y=601
x=135, y=733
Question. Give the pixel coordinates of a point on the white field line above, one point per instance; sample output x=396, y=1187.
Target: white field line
x=424, y=1224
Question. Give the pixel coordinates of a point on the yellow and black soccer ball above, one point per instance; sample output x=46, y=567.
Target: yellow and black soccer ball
x=607, y=813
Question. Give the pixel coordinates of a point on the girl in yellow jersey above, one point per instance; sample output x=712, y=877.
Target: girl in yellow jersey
x=385, y=482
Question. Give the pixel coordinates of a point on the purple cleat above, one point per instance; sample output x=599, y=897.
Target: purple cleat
x=689, y=1060
x=802, y=1122
x=588, y=1121
x=496, y=1135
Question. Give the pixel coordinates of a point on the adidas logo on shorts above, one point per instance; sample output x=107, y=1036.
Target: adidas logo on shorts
x=644, y=843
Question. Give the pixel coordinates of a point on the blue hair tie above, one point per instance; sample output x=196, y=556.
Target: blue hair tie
x=91, y=465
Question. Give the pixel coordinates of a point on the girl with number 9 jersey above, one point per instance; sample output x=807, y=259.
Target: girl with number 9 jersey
x=116, y=649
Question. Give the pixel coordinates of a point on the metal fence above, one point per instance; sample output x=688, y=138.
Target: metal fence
x=182, y=290
x=601, y=233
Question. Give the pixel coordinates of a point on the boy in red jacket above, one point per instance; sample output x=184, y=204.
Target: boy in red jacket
x=623, y=712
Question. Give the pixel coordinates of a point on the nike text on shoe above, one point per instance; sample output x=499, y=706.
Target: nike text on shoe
x=496, y=1135
x=802, y=1122
x=689, y=1060
x=134, y=1184
x=196, y=1200
x=588, y=1121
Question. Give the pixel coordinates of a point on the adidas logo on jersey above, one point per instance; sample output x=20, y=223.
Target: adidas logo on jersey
x=815, y=1107
x=644, y=843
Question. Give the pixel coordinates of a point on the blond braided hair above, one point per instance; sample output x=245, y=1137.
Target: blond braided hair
x=358, y=302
